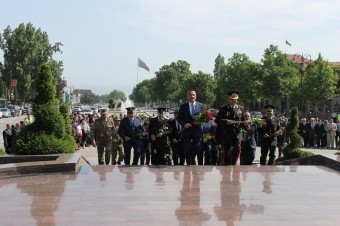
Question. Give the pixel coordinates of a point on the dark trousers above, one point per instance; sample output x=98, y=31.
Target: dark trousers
x=159, y=149
x=247, y=153
x=145, y=156
x=177, y=153
x=266, y=148
x=231, y=152
x=135, y=144
x=210, y=156
x=191, y=146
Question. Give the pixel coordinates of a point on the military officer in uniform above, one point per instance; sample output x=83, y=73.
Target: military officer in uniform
x=159, y=132
x=228, y=120
x=117, y=143
x=130, y=130
x=268, y=133
x=101, y=134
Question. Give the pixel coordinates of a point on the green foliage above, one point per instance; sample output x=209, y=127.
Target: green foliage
x=38, y=143
x=2, y=152
x=25, y=50
x=64, y=110
x=291, y=150
x=321, y=73
x=50, y=132
x=115, y=95
x=111, y=103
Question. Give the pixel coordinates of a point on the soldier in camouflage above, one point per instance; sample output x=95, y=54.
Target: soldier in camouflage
x=101, y=135
x=117, y=144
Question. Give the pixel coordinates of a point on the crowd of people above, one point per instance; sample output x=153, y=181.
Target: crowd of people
x=228, y=136
x=11, y=131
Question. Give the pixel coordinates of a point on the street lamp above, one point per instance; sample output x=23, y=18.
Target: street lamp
x=303, y=59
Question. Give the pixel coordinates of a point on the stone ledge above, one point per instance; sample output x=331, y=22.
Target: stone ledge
x=11, y=165
x=331, y=161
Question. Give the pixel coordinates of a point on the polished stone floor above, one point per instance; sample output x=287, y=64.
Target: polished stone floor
x=187, y=195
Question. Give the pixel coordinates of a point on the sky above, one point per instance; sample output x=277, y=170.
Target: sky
x=102, y=40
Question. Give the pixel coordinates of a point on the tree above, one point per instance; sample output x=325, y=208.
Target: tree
x=115, y=95
x=169, y=80
x=292, y=149
x=50, y=132
x=241, y=74
x=219, y=63
x=280, y=75
x=204, y=85
x=26, y=49
x=320, y=81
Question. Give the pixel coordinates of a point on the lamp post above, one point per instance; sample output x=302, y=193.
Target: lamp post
x=302, y=59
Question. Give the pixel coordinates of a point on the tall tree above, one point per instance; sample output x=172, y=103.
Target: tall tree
x=219, y=63
x=169, y=80
x=280, y=75
x=320, y=81
x=25, y=49
x=241, y=74
x=203, y=84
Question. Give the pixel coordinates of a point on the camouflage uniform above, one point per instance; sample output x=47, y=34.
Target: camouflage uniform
x=102, y=132
x=117, y=147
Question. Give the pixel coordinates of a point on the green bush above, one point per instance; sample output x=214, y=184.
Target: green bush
x=50, y=133
x=40, y=143
x=292, y=150
x=2, y=152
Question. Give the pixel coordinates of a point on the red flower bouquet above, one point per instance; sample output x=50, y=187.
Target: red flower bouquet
x=203, y=117
x=248, y=133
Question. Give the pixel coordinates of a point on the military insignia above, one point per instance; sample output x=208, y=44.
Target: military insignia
x=228, y=113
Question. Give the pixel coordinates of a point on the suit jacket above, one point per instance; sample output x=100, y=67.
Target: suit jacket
x=272, y=126
x=174, y=129
x=185, y=117
x=225, y=131
x=155, y=126
x=134, y=130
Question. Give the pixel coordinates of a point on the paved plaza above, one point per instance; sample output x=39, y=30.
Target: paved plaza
x=173, y=195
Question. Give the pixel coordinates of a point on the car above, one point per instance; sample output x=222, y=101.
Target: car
x=15, y=110
x=6, y=113
x=86, y=111
x=256, y=114
x=76, y=110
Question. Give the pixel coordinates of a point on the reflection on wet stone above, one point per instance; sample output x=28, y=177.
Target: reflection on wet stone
x=176, y=195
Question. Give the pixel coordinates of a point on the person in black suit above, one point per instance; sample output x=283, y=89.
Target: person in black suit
x=175, y=141
x=192, y=134
x=269, y=132
x=158, y=132
x=130, y=130
x=228, y=120
x=248, y=144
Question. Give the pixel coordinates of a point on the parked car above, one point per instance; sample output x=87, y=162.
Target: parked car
x=15, y=110
x=76, y=110
x=6, y=113
x=86, y=111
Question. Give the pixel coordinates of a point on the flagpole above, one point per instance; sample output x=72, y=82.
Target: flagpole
x=137, y=74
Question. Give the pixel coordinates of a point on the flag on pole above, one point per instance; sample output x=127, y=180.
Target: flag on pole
x=143, y=65
x=287, y=43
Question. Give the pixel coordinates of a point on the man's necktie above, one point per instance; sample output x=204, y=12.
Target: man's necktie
x=192, y=110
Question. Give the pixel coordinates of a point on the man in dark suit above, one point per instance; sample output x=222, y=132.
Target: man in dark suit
x=228, y=120
x=158, y=132
x=248, y=144
x=130, y=130
x=269, y=132
x=192, y=134
x=175, y=141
